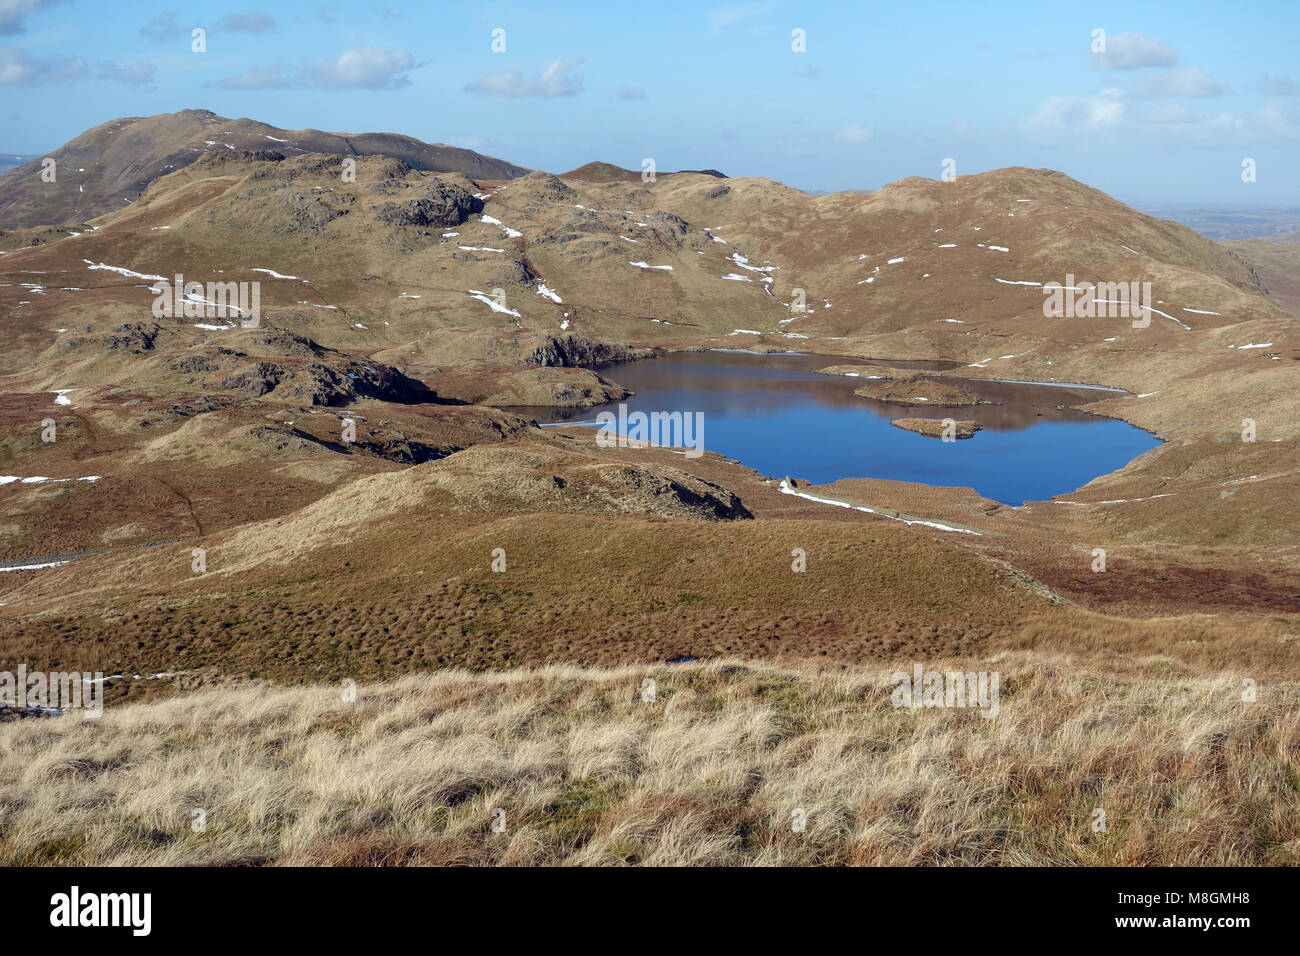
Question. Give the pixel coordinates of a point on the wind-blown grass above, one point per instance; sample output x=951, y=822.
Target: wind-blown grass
x=711, y=772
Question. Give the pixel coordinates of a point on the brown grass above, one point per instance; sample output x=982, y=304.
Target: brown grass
x=710, y=773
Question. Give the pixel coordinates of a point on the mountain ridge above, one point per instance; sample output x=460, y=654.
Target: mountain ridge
x=112, y=164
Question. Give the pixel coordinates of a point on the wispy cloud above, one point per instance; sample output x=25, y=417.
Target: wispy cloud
x=631, y=93
x=1170, y=114
x=368, y=68
x=138, y=75
x=278, y=77
x=164, y=27
x=1186, y=81
x=254, y=21
x=553, y=81
x=725, y=16
x=18, y=68
x=1281, y=85
x=14, y=12
x=853, y=133
x=1132, y=51
x=1102, y=109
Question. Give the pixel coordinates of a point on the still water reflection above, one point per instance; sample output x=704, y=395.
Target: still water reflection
x=777, y=415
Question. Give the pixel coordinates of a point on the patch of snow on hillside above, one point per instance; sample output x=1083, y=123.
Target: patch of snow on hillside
x=493, y=304
x=510, y=233
x=743, y=262
x=785, y=489
x=126, y=272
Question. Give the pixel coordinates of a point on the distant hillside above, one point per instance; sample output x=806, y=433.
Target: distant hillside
x=609, y=173
x=1276, y=259
x=9, y=160
x=1232, y=221
x=109, y=166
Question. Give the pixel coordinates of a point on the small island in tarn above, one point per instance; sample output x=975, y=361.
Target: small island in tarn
x=919, y=390
x=933, y=427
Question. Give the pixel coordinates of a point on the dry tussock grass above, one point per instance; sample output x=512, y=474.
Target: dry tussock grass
x=588, y=773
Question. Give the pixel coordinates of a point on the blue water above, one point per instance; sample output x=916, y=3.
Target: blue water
x=775, y=414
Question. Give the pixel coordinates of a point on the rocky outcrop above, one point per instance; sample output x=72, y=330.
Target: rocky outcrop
x=254, y=380
x=135, y=338
x=539, y=477
x=551, y=387
x=565, y=350
x=673, y=493
x=442, y=204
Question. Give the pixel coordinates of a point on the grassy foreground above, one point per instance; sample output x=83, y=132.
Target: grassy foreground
x=711, y=772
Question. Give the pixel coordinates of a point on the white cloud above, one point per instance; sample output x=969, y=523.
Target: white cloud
x=631, y=93
x=1279, y=119
x=854, y=133
x=1131, y=51
x=1105, y=108
x=553, y=81
x=368, y=68
x=1184, y=81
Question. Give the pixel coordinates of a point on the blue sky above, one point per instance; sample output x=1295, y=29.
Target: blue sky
x=1182, y=94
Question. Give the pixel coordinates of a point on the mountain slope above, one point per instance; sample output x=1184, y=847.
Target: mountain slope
x=406, y=303
x=111, y=165
x=1277, y=260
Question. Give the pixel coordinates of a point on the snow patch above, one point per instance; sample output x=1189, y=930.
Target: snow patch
x=510, y=233
x=787, y=490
